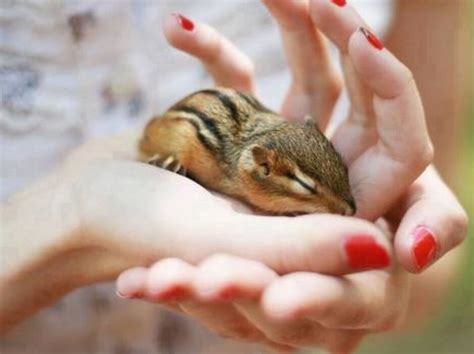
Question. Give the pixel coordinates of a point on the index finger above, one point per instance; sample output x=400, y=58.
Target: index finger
x=403, y=148
x=227, y=65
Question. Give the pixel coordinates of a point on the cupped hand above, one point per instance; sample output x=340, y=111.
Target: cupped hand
x=130, y=213
x=248, y=301
x=384, y=139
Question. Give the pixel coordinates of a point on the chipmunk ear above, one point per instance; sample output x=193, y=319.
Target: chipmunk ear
x=264, y=159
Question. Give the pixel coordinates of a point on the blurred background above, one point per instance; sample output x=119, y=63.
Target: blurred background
x=79, y=69
x=452, y=329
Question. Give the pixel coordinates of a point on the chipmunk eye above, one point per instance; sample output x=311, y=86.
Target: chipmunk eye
x=303, y=184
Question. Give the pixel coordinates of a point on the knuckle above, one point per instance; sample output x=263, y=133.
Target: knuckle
x=421, y=157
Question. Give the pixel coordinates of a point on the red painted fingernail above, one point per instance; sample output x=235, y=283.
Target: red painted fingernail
x=173, y=293
x=363, y=252
x=184, y=22
x=424, y=246
x=340, y=3
x=372, y=38
x=227, y=294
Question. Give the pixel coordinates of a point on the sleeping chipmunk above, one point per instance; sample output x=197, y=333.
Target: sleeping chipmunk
x=229, y=142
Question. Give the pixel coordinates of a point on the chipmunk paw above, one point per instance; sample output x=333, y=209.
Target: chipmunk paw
x=169, y=163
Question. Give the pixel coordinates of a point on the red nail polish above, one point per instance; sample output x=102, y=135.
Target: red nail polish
x=363, y=252
x=184, y=22
x=340, y=3
x=227, y=294
x=424, y=246
x=174, y=293
x=372, y=38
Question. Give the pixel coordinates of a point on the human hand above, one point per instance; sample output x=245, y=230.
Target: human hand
x=248, y=301
x=383, y=140
x=131, y=213
x=288, y=317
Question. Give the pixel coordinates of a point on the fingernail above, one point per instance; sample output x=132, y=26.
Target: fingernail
x=122, y=296
x=184, y=22
x=424, y=246
x=340, y=3
x=372, y=38
x=363, y=252
x=174, y=293
x=134, y=296
x=227, y=294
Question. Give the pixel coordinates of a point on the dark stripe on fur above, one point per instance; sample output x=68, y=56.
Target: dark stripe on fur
x=207, y=144
x=208, y=121
x=226, y=102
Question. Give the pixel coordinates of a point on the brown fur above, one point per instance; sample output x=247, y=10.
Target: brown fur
x=231, y=143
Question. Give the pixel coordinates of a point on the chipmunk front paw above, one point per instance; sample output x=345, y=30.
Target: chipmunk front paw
x=169, y=163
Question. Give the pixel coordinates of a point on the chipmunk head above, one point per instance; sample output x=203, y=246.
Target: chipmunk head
x=295, y=171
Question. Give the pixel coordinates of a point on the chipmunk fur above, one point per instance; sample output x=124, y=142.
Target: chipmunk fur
x=229, y=142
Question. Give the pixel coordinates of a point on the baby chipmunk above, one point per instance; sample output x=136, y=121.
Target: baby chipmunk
x=228, y=142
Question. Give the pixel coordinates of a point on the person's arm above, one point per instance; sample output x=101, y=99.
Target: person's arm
x=101, y=212
x=38, y=265
x=432, y=39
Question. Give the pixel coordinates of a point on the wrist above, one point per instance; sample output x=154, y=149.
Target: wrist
x=36, y=237
x=36, y=224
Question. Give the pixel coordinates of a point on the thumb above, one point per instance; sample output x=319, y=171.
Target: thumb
x=433, y=223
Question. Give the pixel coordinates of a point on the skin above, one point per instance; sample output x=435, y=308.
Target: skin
x=102, y=212
x=86, y=231
x=248, y=301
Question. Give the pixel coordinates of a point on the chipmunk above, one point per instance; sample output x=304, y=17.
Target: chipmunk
x=228, y=142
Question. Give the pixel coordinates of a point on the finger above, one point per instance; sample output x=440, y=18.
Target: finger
x=324, y=243
x=223, y=320
x=370, y=300
x=357, y=132
x=227, y=65
x=130, y=284
x=316, y=85
x=219, y=280
x=434, y=223
x=226, y=277
x=298, y=332
x=403, y=149
x=169, y=280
